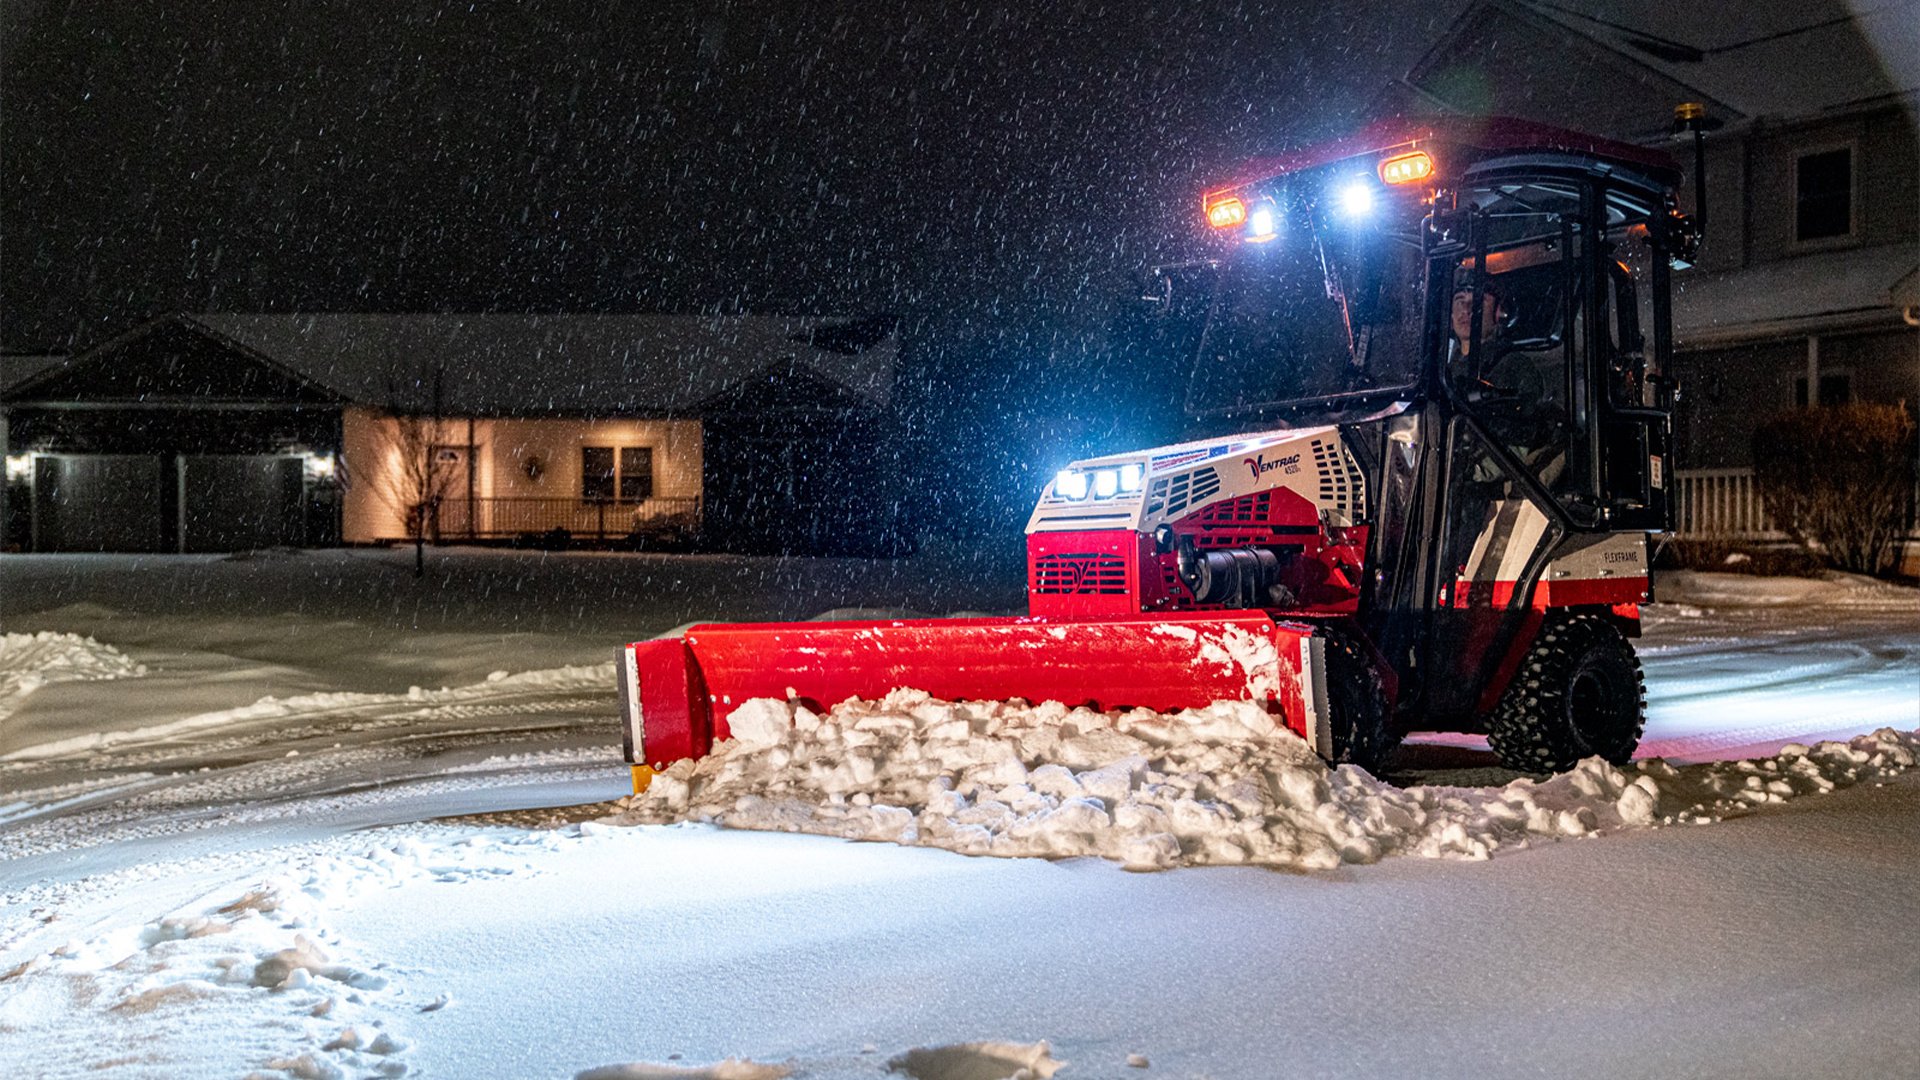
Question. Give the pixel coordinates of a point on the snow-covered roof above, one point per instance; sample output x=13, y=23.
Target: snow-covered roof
x=1834, y=285
x=1780, y=60
x=567, y=364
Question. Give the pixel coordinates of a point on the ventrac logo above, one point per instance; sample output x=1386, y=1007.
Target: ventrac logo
x=1260, y=466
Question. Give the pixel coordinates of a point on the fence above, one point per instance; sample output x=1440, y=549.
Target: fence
x=599, y=519
x=1720, y=502
x=1726, y=503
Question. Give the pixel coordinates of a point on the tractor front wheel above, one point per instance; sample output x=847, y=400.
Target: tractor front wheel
x=1363, y=731
x=1578, y=694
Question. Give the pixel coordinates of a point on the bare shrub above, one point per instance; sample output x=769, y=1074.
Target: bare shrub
x=1838, y=480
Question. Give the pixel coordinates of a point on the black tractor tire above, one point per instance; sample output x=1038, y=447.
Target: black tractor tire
x=1579, y=693
x=1362, y=723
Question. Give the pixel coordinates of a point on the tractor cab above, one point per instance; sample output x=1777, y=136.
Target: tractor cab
x=1514, y=274
x=1482, y=312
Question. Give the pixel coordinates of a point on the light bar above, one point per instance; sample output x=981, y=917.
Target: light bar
x=1226, y=212
x=1407, y=168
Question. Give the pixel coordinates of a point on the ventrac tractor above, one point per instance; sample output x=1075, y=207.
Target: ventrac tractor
x=1431, y=441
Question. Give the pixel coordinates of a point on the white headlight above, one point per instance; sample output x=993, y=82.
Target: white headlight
x=1070, y=484
x=1263, y=223
x=1131, y=475
x=1106, y=483
x=1356, y=199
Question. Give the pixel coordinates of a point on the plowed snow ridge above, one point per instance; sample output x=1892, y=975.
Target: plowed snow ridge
x=30, y=661
x=1220, y=785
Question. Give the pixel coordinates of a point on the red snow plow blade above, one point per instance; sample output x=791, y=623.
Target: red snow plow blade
x=676, y=693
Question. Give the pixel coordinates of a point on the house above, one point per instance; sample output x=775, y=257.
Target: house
x=1805, y=292
x=227, y=431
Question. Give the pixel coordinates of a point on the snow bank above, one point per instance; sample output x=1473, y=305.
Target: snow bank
x=498, y=684
x=30, y=661
x=978, y=1061
x=962, y=1061
x=1219, y=785
x=1695, y=588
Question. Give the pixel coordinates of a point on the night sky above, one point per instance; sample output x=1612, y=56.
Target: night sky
x=994, y=173
x=636, y=157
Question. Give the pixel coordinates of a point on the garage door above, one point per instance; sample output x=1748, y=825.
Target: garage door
x=98, y=502
x=233, y=502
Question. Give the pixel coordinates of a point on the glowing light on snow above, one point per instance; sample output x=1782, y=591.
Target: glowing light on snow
x=1070, y=484
x=19, y=467
x=1131, y=476
x=1106, y=483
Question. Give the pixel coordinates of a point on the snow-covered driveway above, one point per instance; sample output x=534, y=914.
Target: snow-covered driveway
x=220, y=852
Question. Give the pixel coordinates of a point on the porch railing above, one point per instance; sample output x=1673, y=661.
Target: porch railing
x=1721, y=502
x=1726, y=503
x=600, y=519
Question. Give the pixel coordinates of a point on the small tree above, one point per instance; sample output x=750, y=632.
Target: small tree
x=1838, y=480
x=415, y=426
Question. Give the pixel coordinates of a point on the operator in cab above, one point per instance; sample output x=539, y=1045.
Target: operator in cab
x=1502, y=382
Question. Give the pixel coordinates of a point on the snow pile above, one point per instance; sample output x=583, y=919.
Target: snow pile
x=30, y=661
x=962, y=1061
x=1220, y=785
x=979, y=1061
x=260, y=959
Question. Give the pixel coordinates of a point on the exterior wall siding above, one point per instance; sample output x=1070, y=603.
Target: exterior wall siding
x=1727, y=392
x=379, y=490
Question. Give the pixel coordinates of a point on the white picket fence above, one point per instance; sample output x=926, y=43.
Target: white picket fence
x=1726, y=504
x=1720, y=502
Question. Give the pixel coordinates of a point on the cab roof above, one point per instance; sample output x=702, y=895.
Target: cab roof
x=1460, y=142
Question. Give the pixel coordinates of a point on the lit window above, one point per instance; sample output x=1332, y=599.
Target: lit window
x=624, y=473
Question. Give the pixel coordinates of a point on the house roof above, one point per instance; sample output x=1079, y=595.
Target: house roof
x=1852, y=285
x=1779, y=60
x=492, y=364
x=1572, y=59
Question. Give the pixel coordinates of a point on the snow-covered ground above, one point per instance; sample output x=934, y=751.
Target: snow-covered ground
x=302, y=814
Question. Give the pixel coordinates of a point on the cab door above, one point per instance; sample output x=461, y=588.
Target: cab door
x=1520, y=469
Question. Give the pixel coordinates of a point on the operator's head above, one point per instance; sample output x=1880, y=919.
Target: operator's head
x=1493, y=310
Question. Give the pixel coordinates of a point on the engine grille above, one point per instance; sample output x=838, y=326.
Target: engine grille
x=1342, y=487
x=1172, y=496
x=1255, y=509
x=1079, y=574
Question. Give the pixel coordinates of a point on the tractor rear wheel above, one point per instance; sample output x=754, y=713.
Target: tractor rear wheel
x=1363, y=729
x=1578, y=694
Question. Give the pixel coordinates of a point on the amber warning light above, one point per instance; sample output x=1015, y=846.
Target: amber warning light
x=1407, y=168
x=1225, y=212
